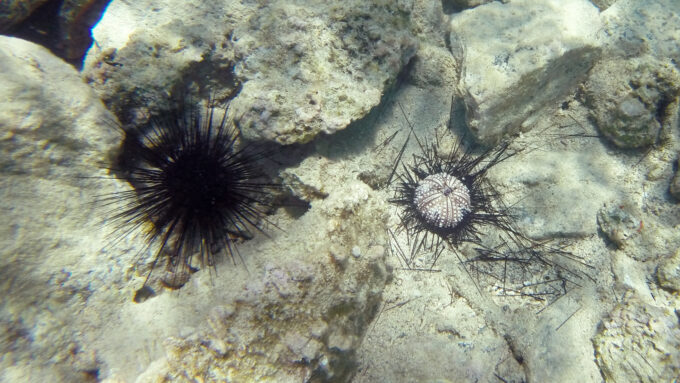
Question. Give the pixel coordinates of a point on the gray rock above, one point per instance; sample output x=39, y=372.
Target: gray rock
x=12, y=12
x=560, y=191
x=618, y=224
x=639, y=235
x=632, y=28
x=451, y=6
x=639, y=340
x=603, y=4
x=668, y=272
x=542, y=53
x=675, y=183
x=291, y=312
x=633, y=102
x=54, y=143
x=304, y=315
x=296, y=70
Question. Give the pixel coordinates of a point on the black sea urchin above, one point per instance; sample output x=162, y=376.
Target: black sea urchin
x=197, y=189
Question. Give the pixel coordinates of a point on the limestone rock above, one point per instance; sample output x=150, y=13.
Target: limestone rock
x=551, y=181
x=544, y=53
x=639, y=342
x=296, y=70
x=292, y=312
x=12, y=12
x=641, y=236
x=603, y=4
x=434, y=66
x=633, y=28
x=675, y=183
x=668, y=272
x=451, y=6
x=633, y=101
x=54, y=141
x=304, y=315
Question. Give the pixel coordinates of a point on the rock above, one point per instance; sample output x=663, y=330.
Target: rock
x=54, y=142
x=640, y=235
x=63, y=27
x=633, y=100
x=618, y=224
x=434, y=66
x=38, y=131
x=668, y=273
x=305, y=181
x=675, y=183
x=290, y=313
x=551, y=182
x=294, y=71
x=13, y=12
x=602, y=5
x=300, y=317
x=633, y=28
x=451, y=6
x=543, y=54
x=639, y=341
x=75, y=21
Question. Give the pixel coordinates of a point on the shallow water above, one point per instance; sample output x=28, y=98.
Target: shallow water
x=569, y=251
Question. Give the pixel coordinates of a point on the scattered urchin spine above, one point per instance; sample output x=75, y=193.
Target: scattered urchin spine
x=447, y=198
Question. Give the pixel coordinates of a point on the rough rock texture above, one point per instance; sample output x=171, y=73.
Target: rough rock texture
x=640, y=235
x=451, y=6
x=639, y=342
x=632, y=28
x=433, y=65
x=544, y=53
x=675, y=183
x=602, y=5
x=296, y=309
x=433, y=336
x=551, y=181
x=304, y=316
x=668, y=273
x=298, y=68
x=52, y=138
x=12, y=12
x=634, y=102
x=61, y=26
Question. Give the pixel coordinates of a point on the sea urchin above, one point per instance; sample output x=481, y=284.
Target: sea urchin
x=197, y=189
x=446, y=198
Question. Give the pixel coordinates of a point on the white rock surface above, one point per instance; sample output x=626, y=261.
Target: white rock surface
x=521, y=57
x=297, y=69
x=631, y=28
x=54, y=142
x=639, y=341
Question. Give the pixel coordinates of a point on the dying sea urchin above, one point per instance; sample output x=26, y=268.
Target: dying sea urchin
x=446, y=198
x=197, y=188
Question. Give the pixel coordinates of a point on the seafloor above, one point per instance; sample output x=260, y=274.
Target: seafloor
x=334, y=289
